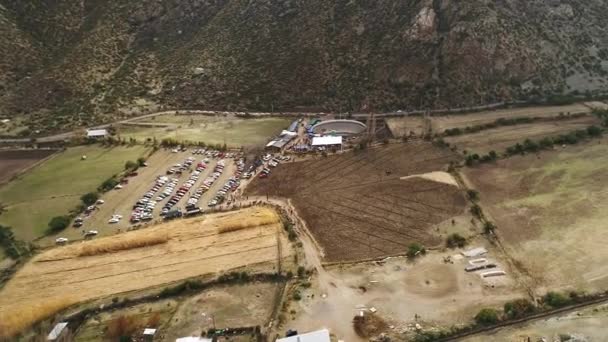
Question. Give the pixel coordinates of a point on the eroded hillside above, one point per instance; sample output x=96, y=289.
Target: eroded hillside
x=68, y=63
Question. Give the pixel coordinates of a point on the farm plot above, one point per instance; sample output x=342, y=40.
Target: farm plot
x=230, y=130
x=55, y=187
x=357, y=206
x=12, y=162
x=249, y=239
x=551, y=212
x=442, y=123
x=498, y=139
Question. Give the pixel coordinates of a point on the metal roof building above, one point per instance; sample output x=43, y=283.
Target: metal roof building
x=55, y=334
x=313, y=336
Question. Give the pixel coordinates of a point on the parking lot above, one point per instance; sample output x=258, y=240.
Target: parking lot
x=172, y=180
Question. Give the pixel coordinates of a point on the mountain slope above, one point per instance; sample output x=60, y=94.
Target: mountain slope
x=70, y=63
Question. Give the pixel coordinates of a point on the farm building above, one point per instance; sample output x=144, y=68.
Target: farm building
x=278, y=144
x=294, y=126
x=313, y=336
x=97, y=133
x=327, y=141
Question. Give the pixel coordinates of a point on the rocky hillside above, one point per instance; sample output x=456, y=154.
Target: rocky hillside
x=65, y=63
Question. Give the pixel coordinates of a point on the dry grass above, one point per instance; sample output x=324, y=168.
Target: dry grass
x=258, y=220
x=23, y=317
x=194, y=248
x=369, y=325
x=107, y=245
x=111, y=246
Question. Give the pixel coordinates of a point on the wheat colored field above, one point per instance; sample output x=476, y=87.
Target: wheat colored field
x=138, y=260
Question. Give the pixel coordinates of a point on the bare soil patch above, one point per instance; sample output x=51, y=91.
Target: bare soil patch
x=357, y=206
x=551, y=212
x=12, y=162
x=195, y=247
x=498, y=139
x=409, y=125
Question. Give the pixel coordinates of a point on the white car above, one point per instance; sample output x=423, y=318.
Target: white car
x=113, y=220
x=100, y=201
x=118, y=187
x=61, y=241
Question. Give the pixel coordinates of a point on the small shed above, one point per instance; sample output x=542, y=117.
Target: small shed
x=193, y=339
x=58, y=332
x=97, y=133
x=149, y=334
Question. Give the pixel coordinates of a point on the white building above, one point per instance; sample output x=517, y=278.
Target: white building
x=97, y=133
x=313, y=336
x=327, y=141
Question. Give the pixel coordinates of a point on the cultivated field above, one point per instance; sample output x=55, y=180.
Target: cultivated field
x=61, y=277
x=55, y=187
x=442, y=123
x=498, y=139
x=233, y=131
x=356, y=204
x=12, y=162
x=551, y=211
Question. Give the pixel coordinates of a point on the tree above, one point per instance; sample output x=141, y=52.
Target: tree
x=58, y=223
x=489, y=228
x=594, y=131
x=89, y=198
x=486, y=317
x=473, y=195
x=555, y=299
x=108, y=184
x=456, y=240
x=476, y=211
x=130, y=165
x=414, y=249
x=141, y=161
x=518, y=308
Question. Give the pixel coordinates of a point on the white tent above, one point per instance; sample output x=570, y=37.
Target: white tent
x=327, y=140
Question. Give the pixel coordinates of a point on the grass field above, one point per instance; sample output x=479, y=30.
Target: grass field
x=498, y=139
x=209, y=129
x=54, y=187
x=551, y=211
x=12, y=162
x=356, y=204
x=195, y=247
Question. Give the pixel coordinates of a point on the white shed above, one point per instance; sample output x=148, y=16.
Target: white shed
x=313, y=336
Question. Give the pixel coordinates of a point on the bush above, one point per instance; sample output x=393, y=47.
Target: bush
x=141, y=161
x=58, y=223
x=108, y=184
x=301, y=271
x=487, y=317
x=90, y=198
x=519, y=308
x=476, y=211
x=297, y=295
x=130, y=165
x=456, y=240
x=473, y=195
x=489, y=227
x=556, y=299
x=414, y=249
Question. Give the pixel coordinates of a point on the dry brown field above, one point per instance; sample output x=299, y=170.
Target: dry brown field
x=12, y=162
x=356, y=204
x=550, y=211
x=441, y=123
x=62, y=277
x=405, y=126
x=498, y=139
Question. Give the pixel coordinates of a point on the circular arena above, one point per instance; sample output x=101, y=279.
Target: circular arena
x=339, y=127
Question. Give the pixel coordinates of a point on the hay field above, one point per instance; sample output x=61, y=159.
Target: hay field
x=498, y=139
x=441, y=123
x=358, y=207
x=551, y=213
x=54, y=187
x=195, y=247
